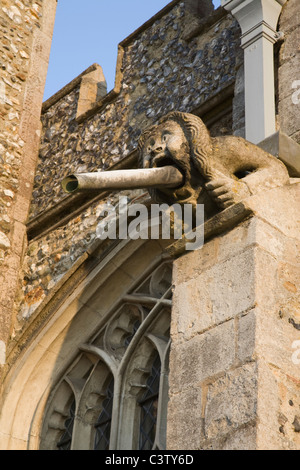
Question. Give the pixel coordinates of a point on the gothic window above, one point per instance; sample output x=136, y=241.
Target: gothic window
x=114, y=394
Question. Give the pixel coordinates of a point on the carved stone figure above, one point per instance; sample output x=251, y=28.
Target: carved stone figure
x=218, y=172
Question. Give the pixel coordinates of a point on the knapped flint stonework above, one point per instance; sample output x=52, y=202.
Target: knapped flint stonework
x=160, y=72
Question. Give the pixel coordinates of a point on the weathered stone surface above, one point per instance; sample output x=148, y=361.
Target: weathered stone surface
x=250, y=382
x=242, y=439
x=231, y=402
x=56, y=253
x=218, y=282
x=216, y=295
x=185, y=419
x=278, y=400
x=152, y=63
x=246, y=337
x=201, y=357
x=285, y=148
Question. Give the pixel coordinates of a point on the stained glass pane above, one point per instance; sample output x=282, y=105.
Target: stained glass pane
x=103, y=424
x=149, y=404
x=66, y=438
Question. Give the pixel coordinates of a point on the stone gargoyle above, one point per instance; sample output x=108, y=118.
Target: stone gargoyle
x=218, y=171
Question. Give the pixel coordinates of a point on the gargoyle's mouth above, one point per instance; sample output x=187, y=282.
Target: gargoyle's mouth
x=161, y=161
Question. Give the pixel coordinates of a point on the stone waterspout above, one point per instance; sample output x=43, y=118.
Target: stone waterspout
x=181, y=163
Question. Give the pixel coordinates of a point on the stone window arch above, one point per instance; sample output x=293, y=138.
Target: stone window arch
x=105, y=384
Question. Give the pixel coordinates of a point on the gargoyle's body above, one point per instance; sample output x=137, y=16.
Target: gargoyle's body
x=218, y=172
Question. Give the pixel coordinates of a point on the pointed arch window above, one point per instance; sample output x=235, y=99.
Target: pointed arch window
x=119, y=380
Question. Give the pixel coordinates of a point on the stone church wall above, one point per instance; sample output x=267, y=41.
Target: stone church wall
x=158, y=71
x=162, y=66
x=244, y=342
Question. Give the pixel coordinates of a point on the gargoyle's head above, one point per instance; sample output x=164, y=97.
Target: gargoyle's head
x=179, y=140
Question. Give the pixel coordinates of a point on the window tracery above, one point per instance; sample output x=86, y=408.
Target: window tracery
x=119, y=380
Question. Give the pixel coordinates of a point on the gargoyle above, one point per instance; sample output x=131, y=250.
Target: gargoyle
x=217, y=172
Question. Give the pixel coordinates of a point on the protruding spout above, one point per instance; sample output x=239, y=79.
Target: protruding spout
x=167, y=177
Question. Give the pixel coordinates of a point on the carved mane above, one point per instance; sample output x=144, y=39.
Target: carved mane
x=197, y=136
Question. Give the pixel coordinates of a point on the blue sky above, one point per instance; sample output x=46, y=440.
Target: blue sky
x=89, y=31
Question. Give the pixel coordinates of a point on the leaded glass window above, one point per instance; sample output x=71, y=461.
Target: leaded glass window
x=66, y=439
x=103, y=425
x=149, y=405
x=119, y=377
